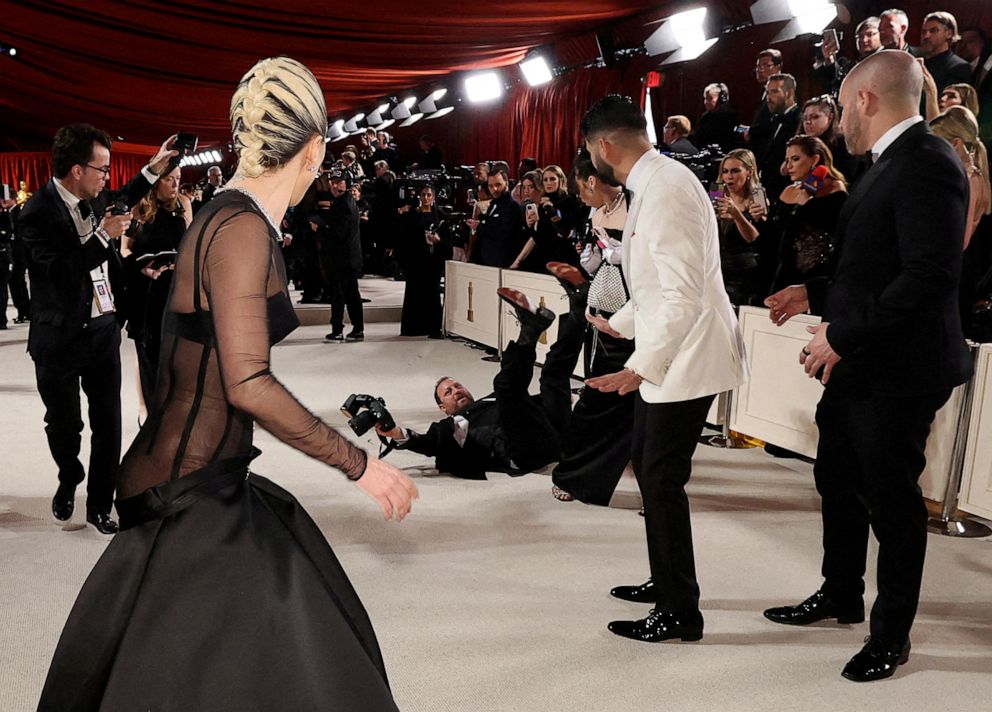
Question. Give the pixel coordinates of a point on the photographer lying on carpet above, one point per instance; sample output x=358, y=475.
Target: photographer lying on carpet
x=510, y=430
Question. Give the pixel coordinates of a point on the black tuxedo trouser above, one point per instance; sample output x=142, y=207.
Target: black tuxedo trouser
x=18, y=284
x=344, y=293
x=534, y=428
x=96, y=366
x=869, y=458
x=4, y=278
x=664, y=440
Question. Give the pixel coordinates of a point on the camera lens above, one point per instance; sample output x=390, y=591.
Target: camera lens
x=363, y=422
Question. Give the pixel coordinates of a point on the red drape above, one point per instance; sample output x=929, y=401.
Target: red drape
x=137, y=81
x=36, y=168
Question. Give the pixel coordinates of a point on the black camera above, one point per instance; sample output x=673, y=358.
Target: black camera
x=364, y=412
x=118, y=206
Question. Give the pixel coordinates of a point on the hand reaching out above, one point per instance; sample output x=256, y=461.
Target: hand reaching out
x=603, y=325
x=787, y=302
x=390, y=487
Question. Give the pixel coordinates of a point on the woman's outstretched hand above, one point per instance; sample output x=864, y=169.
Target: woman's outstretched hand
x=389, y=487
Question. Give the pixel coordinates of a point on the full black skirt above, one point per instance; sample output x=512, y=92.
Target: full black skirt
x=596, y=448
x=219, y=593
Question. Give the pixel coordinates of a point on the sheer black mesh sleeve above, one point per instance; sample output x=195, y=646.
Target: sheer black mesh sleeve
x=239, y=277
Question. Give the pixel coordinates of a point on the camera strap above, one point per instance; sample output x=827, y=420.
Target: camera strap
x=386, y=447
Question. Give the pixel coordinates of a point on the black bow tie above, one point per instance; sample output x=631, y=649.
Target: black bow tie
x=870, y=157
x=84, y=209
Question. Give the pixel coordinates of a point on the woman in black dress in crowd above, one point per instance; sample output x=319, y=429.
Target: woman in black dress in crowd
x=821, y=119
x=807, y=213
x=551, y=214
x=742, y=212
x=596, y=448
x=162, y=217
x=220, y=592
x=422, y=253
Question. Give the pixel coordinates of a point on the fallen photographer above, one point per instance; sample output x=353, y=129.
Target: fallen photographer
x=509, y=430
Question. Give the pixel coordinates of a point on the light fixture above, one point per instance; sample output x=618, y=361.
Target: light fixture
x=483, y=86
x=385, y=124
x=402, y=110
x=335, y=132
x=435, y=104
x=804, y=16
x=7, y=49
x=414, y=118
x=682, y=34
x=351, y=125
x=536, y=70
x=376, y=118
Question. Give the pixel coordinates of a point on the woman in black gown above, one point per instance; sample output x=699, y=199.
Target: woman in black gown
x=220, y=592
x=422, y=253
x=162, y=218
x=807, y=213
x=596, y=448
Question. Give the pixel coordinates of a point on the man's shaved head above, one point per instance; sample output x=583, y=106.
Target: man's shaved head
x=877, y=94
x=892, y=75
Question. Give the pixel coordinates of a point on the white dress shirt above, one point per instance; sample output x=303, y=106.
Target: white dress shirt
x=889, y=137
x=86, y=229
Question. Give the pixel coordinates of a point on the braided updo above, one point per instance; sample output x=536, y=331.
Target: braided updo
x=276, y=109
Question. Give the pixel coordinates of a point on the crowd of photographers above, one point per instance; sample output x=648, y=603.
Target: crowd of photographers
x=778, y=183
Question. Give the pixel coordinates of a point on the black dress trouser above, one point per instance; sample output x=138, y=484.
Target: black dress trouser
x=665, y=437
x=870, y=455
x=96, y=366
x=535, y=426
x=344, y=293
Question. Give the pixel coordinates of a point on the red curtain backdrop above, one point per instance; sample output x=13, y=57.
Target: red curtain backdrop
x=151, y=70
x=35, y=167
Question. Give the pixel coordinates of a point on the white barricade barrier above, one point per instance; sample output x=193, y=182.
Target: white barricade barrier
x=471, y=307
x=976, y=486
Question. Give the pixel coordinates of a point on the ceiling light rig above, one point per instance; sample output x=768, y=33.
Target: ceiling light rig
x=804, y=16
x=202, y=158
x=682, y=34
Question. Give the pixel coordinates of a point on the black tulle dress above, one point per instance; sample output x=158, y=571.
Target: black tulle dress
x=220, y=592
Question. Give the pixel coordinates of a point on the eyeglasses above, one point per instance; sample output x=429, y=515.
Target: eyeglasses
x=105, y=171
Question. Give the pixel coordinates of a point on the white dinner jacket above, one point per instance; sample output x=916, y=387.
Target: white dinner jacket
x=687, y=340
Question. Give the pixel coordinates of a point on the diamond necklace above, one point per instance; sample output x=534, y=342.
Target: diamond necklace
x=254, y=199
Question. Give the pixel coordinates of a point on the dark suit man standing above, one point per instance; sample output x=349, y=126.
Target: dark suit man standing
x=889, y=352
x=939, y=31
x=502, y=230
x=74, y=339
x=341, y=256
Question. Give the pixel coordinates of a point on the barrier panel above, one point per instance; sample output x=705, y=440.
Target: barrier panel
x=471, y=307
x=542, y=289
x=778, y=403
x=976, y=486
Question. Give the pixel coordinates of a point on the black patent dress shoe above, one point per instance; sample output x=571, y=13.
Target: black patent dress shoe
x=64, y=503
x=21, y=319
x=355, y=336
x=645, y=593
x=102, y=521
x=529, y=315
x=817, y=607
x=876, y=661
x=657, y=627
x=334, y=336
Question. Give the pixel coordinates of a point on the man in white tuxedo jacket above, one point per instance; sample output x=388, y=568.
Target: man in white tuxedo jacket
x=688, y=349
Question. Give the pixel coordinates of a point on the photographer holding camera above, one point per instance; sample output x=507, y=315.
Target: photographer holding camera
x=76, y=303
x=509, y=430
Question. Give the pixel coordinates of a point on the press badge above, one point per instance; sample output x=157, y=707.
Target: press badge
x=101, y=293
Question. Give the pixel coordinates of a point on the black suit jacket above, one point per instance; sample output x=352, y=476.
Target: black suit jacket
x=59, y=267
x=484, y=449
x=343, y=235
x=892, y=303
x=771, y=153
x=947, y=68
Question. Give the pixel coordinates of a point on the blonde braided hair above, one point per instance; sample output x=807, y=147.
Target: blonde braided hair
x=276, y=109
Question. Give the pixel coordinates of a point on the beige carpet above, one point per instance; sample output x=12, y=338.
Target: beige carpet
x=493, y=595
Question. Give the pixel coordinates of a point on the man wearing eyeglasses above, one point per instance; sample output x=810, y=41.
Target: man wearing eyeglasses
x=76, y=290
